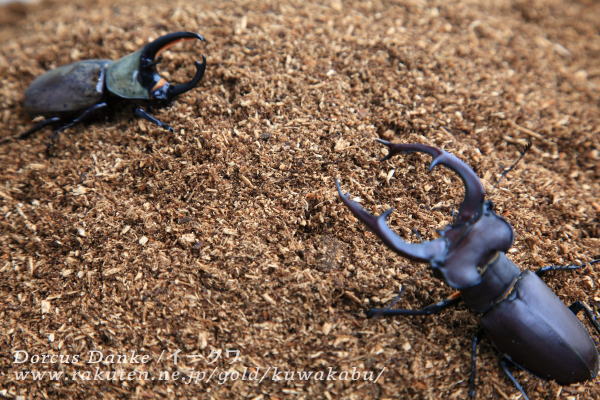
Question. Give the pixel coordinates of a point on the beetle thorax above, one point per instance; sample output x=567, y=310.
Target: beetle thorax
x=122, y=78
x=471, y=246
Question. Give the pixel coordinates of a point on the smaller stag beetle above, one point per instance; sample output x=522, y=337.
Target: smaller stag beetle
x=69, y=94
x=526, y=321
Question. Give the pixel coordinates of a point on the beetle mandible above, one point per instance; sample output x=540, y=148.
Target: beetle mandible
x=530, y=326
x=69, y=94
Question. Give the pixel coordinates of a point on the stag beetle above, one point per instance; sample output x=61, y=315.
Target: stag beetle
x=69, y=94
x=525, y=320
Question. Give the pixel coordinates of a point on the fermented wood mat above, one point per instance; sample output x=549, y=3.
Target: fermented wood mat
x=222, y=249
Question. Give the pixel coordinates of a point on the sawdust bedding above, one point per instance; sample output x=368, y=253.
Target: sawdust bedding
x=223, y=246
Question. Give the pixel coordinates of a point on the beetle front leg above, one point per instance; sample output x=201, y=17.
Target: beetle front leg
x=428, y=310
x=141, y=113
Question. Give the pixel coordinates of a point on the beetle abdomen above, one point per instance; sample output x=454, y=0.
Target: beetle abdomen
x=538, y=332
x=66, y=89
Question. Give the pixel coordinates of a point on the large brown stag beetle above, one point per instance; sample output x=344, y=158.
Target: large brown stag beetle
x=524, y=319
x=69, y=94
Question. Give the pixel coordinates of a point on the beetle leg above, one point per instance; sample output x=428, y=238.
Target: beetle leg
x=140, y=112
x=436, y=308
x=40, y=125
x=81, y=117
x=78, y=119
x=579, y=306
x=504, y=361
x=474, y=343
x=543, y=270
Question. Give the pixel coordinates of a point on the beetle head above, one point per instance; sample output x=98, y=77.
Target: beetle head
x=135, y=76
x=466, y=245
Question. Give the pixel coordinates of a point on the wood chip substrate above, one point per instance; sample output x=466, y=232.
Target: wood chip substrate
x=217, y=261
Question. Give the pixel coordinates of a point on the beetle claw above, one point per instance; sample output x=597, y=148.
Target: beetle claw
x=471, y=206
x=437, y=160
x=149, y=77
x=152, y=49
x=425, y=251
x=388, y=144
x=184, y=87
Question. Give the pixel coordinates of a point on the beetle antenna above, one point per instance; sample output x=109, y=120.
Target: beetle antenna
x=524, y=150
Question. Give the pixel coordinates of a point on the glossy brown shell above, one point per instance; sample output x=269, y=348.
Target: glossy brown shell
x=66, y=89
x=538, y=332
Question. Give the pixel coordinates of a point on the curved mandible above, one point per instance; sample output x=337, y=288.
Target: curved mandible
x=152, y=49
x=184, y=87
x=425, y=251
x=148, y=63
x=471, y=207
